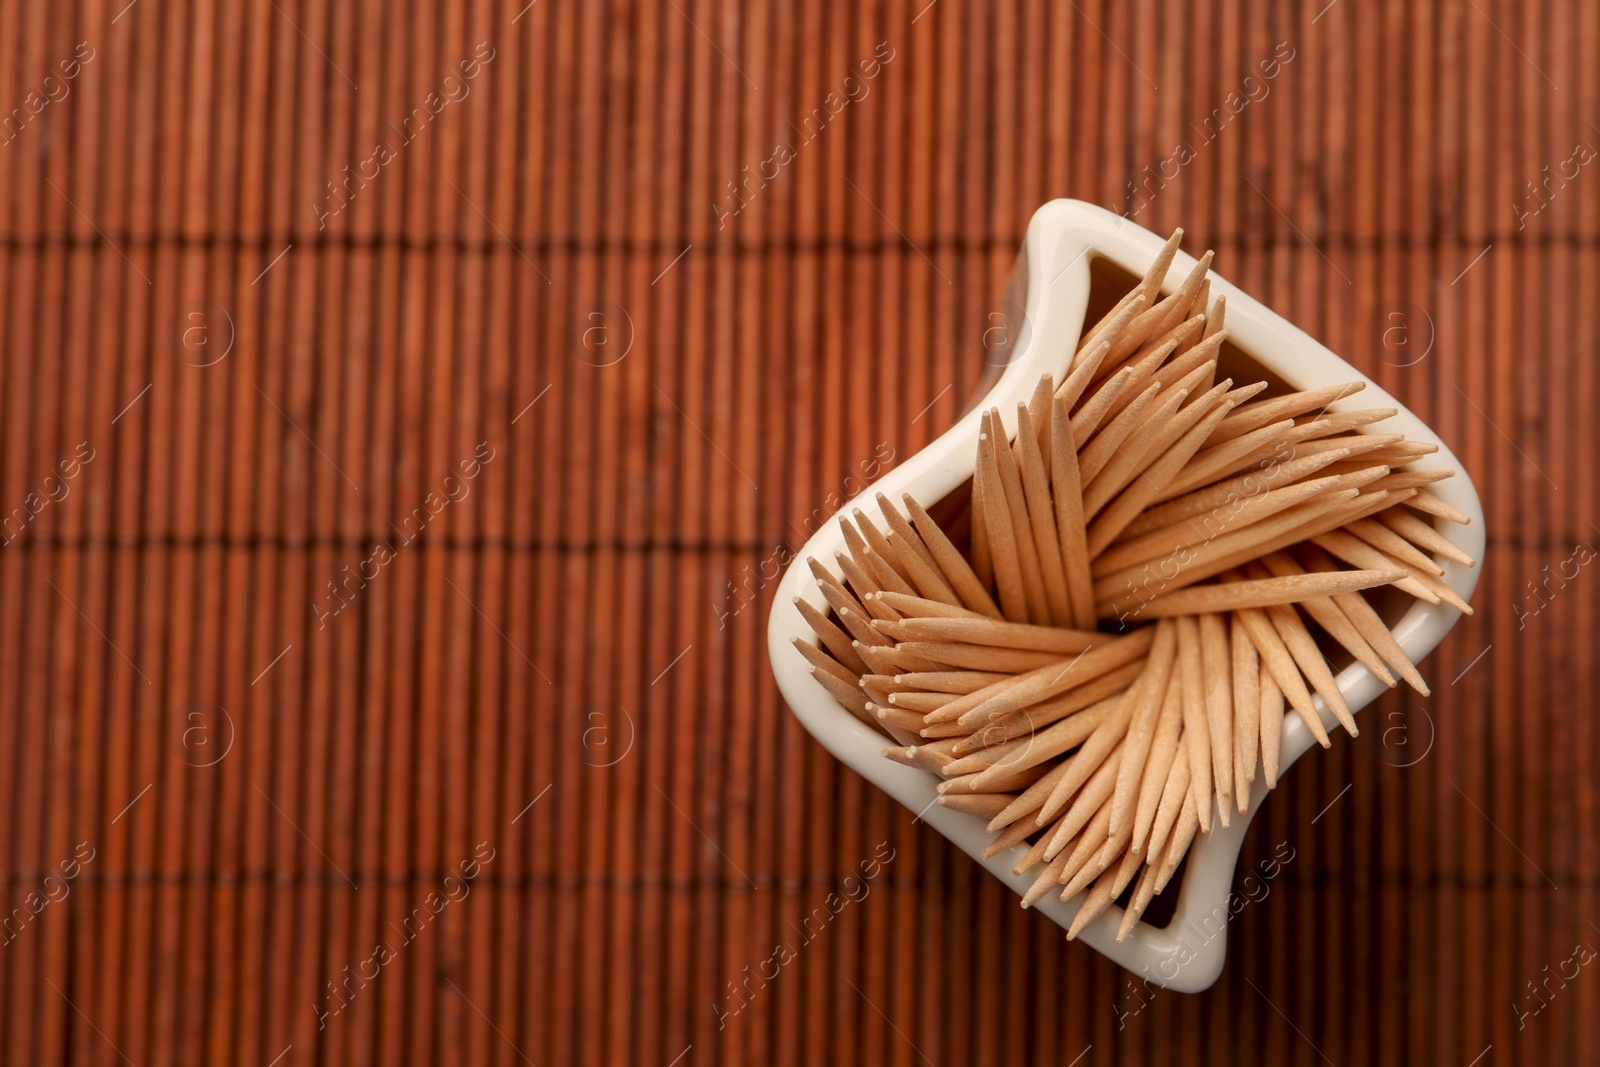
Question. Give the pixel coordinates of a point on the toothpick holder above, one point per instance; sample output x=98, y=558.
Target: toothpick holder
x=1064, y=239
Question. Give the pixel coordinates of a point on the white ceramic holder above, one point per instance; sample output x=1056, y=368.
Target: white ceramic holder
x=1054, y=271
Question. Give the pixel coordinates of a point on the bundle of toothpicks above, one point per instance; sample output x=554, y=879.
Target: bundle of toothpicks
x=1154, y=556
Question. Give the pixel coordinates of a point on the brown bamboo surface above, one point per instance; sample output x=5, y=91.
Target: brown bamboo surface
x=560, y=687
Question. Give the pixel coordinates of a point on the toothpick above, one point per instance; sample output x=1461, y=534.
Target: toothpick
x=908, y=756
x=1034, y=855
x=1046, y=881
x=1401, y=452
x=1022, y=753
x=1141, y=458
x=957, y=683
x=1021, y=528
x=1195, y=726
x=956, y=708
x=1158, y=765
x=1143, y=893
x=955, y=655
x=1014, y=834
x=1427, y=501
x=904, y=605
x=952, y=564
x=885, y=684
x=1414, y=479
x=1094, y=408
x=1038, y=408
x=1084, y=847
x=1113, y=324
x=1246, y=710
x=1123, y=464
x=1195, y=359
x=935, y=752
x=873, y=551
x=1285, y=673
x=982, y=555
x=1178, y=844
x=1214, y=462
x=1362, y=616
x=1360, y=476
x=1083, y=373
x=1069, y=831
x=1162, y=316
x=1015, y=635
x=849, y=697
x=1327, y=614
x=1038, y=716
x=860, y=627
x=1240, y=394
x=903, y=720
x=1325, y=423
x=838, y=644
x=1123, y=593
x=997, y=521
x=984, y=806
x=1363, y=505
x=1105, y=890
x=1183, y=337
x=1142, y=368
x=1227, y=495
x=864, y=585
x=1216, y=661
x=1146, y=697
x=1174, y=793
x=1353, y=550
x=1009, y=784
x=921, y=703
x=1067, y=491
x=1271, y=725
x=1099, y=451
x=1095, y=756
x=1136, y=299
x=1254, y=416
x=894, y=659
x=1030, y=800
x=1146, y=488
x=1234, y=515
x=832, y=588
x=1241, y=792
x=1156, y=276
x=915, y=556
x=1046, y=682
x=824, y=662
x=1277, y=442
x=1041, y=511
x=1438, y=588
x=1359, y=444
x=1003, y=758
x=1423, y=535
x=1265, y=592
x=1216, y=318
x=875, y=693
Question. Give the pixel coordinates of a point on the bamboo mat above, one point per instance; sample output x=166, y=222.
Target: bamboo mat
x=533, y=750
